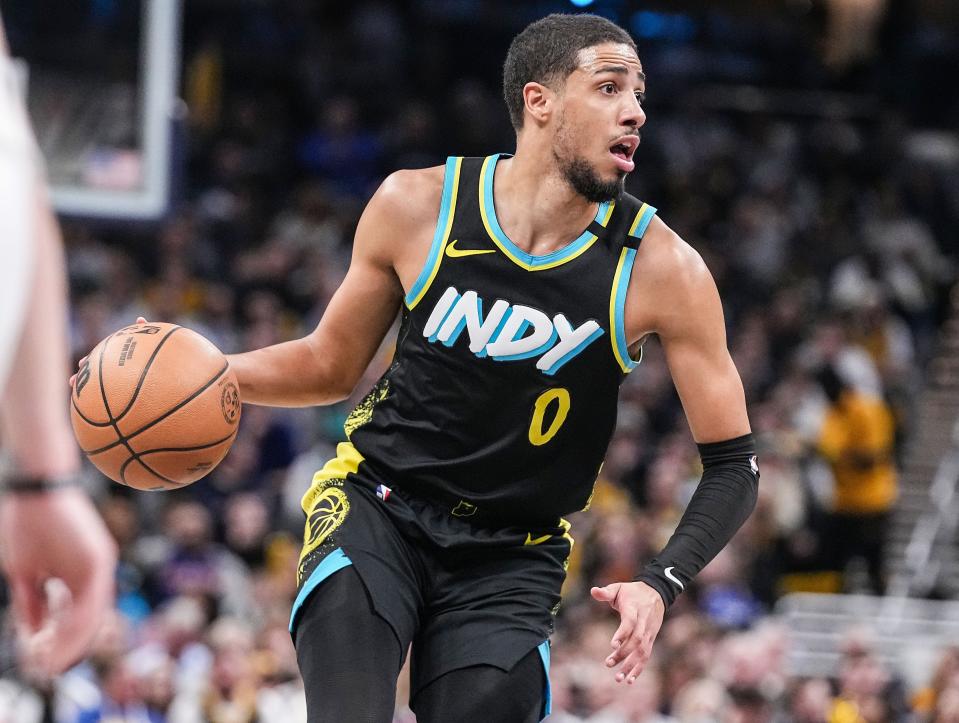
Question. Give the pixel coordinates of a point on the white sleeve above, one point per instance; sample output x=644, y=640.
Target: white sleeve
x=19, y=173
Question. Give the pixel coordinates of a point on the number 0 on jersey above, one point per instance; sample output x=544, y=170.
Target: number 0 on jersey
x=559, y=395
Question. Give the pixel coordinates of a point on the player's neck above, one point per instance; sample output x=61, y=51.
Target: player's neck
x=536, y=207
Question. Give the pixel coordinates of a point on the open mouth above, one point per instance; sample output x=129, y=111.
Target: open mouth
x=623, y=150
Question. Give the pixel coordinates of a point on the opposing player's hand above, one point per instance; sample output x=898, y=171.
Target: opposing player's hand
x=140, y=320
x=60, y=563
x=641, y=611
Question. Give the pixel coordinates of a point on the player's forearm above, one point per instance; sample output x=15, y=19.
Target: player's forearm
x=722, y=502
x=291, y=374
x=33, y=415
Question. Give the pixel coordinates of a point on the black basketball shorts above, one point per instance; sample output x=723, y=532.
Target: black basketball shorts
x=462, y=595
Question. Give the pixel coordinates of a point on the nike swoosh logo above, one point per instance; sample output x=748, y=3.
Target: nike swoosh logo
x=668, y=572
x=538, y=540
x=454, y=252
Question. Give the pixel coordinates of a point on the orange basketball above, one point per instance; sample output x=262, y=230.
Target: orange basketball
x=155, y=406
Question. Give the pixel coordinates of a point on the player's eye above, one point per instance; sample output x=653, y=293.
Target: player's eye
x=608, y=88
x=641, y=98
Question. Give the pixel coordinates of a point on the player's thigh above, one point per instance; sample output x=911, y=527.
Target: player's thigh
x=348, y=655
x=486, y=694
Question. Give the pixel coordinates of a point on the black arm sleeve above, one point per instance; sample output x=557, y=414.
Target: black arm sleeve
x=725, y=497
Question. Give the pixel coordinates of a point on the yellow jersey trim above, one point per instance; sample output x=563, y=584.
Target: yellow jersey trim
x=451, y=182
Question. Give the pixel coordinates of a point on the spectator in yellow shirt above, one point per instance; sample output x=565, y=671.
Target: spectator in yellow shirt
x=857, y=439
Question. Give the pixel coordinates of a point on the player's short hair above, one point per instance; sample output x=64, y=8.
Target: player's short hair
x=548, y=50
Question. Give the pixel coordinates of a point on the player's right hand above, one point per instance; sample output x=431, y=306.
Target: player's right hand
x=140, y=320
x=60, y=563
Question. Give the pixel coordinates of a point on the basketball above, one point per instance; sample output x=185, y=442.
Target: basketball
x=155, y=406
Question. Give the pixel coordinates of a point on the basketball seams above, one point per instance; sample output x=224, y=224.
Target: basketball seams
x=146, y=368
x=120, y=438
x=103, y=392
x=148, y=468
x=123, y=439
x=85, y=418
x=138, y=457
x=106, y=406
x=188, y=449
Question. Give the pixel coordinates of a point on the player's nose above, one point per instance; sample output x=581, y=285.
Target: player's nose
x=632, y=114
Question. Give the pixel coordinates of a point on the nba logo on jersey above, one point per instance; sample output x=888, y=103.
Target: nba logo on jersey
x=509, y=332
x=383, y=492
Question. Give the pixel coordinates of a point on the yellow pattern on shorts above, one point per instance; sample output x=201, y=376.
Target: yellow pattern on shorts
x=326, y=504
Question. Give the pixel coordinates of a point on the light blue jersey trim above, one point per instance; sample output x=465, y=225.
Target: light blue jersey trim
x=439, y=235
x=620, y=311
x=643, y=223
x=623, y=275
x=336, y=560
x=543, y=649
x=531, y=260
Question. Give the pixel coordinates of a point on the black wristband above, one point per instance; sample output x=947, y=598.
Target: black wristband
x=721, y=503
x=24, y=484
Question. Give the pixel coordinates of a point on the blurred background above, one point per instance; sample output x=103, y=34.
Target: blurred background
x=210, y=161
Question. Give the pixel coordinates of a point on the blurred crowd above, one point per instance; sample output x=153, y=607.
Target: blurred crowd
x=832, y=240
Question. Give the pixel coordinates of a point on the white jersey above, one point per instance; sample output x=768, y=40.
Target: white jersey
x=18, y=179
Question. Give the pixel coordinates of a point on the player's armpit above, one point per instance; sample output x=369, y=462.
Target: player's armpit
x=673, y=294
x=325, y=366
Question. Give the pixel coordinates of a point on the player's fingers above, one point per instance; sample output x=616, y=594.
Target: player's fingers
x=637, y=670
x=27, y=602
x=627, y=622
x=605, y=594
x=79, y=620
x=632, y=643
x=643, y=650
x=622, y=637
x=80, y=364
x=633, y=665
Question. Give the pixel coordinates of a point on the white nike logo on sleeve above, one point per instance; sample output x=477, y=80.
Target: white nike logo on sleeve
x=668, y=572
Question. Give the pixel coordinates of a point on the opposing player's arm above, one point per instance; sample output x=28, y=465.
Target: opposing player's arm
x=324, y=367
x=48, y=531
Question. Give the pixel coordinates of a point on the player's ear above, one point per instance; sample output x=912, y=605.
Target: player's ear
x=539, y=101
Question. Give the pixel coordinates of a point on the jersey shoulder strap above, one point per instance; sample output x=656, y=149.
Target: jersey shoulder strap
x=627, y=227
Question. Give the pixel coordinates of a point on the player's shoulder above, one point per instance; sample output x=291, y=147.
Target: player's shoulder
x=665, y=257
x=404, y=208
x=410, y=196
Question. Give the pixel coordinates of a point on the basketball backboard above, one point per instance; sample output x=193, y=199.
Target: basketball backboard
x=101, y=84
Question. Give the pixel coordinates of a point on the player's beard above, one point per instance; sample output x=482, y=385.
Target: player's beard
x=580, y=174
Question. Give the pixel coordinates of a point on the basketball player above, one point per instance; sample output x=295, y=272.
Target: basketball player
x=49, y=529
x=526, y=285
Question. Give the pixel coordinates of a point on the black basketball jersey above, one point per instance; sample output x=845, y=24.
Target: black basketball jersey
x=501, y=399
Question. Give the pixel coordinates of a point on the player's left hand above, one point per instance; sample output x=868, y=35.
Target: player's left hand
x=641, y=611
